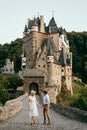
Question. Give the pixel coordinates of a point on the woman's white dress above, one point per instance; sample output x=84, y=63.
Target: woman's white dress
x=32, y=106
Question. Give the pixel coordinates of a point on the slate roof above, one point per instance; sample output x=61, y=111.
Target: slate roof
x=51, y=48
x=34, y=22
x=52, y=26
x=25, y=29
x=52, y=22
x=50, y=45
x=62, y=58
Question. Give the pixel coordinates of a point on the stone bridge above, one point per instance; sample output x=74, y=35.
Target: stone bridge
x=22, y=121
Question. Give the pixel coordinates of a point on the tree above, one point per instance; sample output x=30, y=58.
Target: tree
x=4, y=96
x=14, y=82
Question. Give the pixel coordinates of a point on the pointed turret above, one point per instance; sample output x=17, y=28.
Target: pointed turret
x=25, y=30
x=34, y=26
x=53, y=26
x=62, y=58
x=52, y=22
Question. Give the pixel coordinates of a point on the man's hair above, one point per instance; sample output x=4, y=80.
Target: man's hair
x=45, y=92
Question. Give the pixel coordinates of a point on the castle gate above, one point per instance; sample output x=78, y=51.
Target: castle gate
x=33, y=79
x=34, y=86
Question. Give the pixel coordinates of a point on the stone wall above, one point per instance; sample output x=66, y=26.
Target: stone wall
x=11, y=107
x=70, y=112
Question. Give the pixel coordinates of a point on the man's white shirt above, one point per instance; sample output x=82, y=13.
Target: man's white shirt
x=46, y=99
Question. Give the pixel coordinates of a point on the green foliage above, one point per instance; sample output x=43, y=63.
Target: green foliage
x=14, y=82
x=78, y=99
x=61, y=98
x=6, y=84
x=4, y=96
x=78, y=46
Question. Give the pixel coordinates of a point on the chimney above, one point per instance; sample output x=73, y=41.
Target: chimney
x=42, y=28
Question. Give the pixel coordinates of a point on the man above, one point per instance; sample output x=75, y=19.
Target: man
x=46, y=105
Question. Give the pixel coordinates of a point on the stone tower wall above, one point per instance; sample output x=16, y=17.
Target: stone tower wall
x=42, y=28
x=29, y=80
x=68, y=75
x=54, y=77
x=42, y=65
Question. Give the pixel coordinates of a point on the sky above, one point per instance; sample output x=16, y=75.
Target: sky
x=70, y=14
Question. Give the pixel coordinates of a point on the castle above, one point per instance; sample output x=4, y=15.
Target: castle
x=8, y=68
x=46, y=57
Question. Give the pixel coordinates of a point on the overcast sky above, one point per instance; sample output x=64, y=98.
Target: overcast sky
x=70, y=14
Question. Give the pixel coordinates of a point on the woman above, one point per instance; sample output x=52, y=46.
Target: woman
x=33, y=112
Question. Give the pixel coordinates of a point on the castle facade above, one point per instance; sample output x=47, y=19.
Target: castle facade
x=46, y=57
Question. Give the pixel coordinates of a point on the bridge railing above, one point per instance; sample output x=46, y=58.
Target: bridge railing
x=73, y=113
x=11, y=107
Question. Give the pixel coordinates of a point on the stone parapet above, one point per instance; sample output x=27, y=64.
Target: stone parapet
x=33, y=73
x=73, y=113
x=11, y=107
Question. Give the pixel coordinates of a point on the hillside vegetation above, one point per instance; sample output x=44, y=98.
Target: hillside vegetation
x=78, y=46
x=78, y=99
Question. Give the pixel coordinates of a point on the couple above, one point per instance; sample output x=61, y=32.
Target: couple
x=33, y=111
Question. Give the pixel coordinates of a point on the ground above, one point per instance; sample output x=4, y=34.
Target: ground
x=22, y=121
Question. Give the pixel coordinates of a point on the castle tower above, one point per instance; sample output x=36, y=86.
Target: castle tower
x=50, y=61
x=68, y=72
x=42, y=28
x=52, y=87
x=47, y=57
x=34, y=26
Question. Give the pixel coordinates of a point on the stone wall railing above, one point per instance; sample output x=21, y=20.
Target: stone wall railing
x=11, y=107
x=73, y=113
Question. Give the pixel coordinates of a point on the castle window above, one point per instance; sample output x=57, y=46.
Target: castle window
x=68, y=61
x=62, y=70
x=46, y=83
x=39, y=65
x=47, y=65
x=44, y=66
x=68, y=69
x=43, y=58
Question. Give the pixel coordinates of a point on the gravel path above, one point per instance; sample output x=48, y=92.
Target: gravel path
x=22, y=121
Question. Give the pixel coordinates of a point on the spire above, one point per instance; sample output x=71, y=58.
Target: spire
x=53, y=25
x=35, y=23
x=52, y=22
x=62, y=58
x=25, y=29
